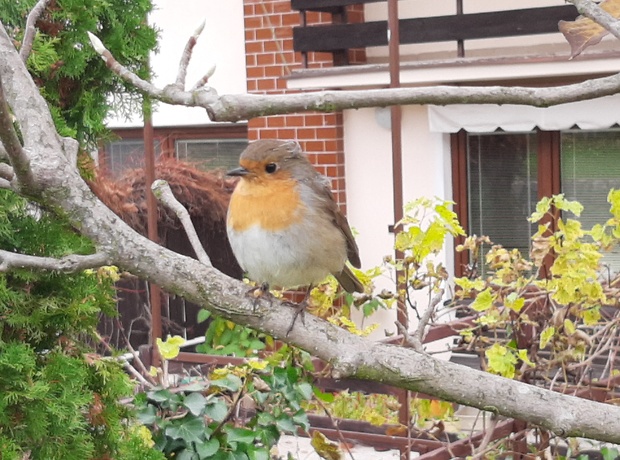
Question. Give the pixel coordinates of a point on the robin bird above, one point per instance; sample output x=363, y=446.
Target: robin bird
x=283, y=223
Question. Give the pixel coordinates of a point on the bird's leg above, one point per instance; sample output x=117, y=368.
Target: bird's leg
x=300, y=309
x=257, y=292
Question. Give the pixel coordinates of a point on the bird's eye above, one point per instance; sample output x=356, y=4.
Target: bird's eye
x=271, y=168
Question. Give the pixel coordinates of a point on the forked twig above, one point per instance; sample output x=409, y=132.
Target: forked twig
x=187, y=55
x=164, y=195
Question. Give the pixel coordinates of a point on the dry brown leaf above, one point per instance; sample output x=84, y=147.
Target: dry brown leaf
x=584, y=32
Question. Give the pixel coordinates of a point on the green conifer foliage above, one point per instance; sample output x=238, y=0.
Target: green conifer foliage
x=57, y=399
x=73, y=78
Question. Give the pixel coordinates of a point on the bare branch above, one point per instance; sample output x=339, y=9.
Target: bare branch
x=593, y=11
x=30, y=31
x=12, y=145
x=246, y=106
x=68, y=264
x=205, y=79
x=187, y=55
x=410, y=341
x=426, y=316
x=171, y=94
x=164, y=194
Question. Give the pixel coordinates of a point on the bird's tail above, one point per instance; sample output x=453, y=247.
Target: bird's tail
x=349, y=281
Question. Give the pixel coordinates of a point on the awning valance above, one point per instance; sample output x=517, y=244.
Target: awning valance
x=598, y=113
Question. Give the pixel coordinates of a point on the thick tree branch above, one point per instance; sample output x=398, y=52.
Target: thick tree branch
x=31, y=31
x=593, y=11
x=69, y=264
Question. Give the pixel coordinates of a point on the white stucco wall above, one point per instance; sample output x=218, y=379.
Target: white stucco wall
x=368, y=163
x=222, y=43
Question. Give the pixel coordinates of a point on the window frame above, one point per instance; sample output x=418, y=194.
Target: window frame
x=549, y=183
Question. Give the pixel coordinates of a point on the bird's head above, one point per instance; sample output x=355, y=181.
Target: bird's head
x=270, y=159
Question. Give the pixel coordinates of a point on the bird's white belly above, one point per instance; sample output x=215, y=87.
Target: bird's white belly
x=297, y=256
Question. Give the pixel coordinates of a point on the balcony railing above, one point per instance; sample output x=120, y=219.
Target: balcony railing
x=341, y=36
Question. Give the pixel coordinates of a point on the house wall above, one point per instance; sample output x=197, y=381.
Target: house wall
x=269, y=59
x=368, y=160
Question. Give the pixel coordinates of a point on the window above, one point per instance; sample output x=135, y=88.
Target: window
x=216, y=146
x=499, y=177
x=126, y=153
x=211, y=153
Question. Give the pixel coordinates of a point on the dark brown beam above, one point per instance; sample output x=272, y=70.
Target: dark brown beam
x=326, y=5
x=496, y=24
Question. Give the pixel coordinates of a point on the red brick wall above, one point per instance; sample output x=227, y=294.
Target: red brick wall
x=269, y=58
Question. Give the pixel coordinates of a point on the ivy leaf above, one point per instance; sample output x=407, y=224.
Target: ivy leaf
x=483, y=301
x=259, y=453
x=609, y=453
x=542, y=208
x=195, y=402
x=325, y=397
x=190, y=430
x=208, y=448
x=285, y=423
x=546, y=335
x=147, y=415
x=469, y=285
x=240, y=435
x=305, y=390
x=216, y=410
x=229, y=382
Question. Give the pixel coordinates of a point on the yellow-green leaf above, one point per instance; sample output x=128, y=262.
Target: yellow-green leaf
x=592, y=316
x=546, y=335
x=514, y=302
x=569, y=326
x=483, y=301
x=501, y=360
x=524, y=357
x=328, y=450
x=614, y=199
x=171, y=347
x=470, y=285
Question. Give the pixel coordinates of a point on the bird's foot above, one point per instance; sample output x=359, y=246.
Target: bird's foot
x=258, y=292
x=300, y=310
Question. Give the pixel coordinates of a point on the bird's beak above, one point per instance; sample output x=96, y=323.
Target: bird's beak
x=238, y=172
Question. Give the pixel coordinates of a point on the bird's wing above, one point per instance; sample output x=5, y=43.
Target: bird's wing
x=323, y=188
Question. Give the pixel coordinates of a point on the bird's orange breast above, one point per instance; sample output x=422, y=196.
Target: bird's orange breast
x=272, y=205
